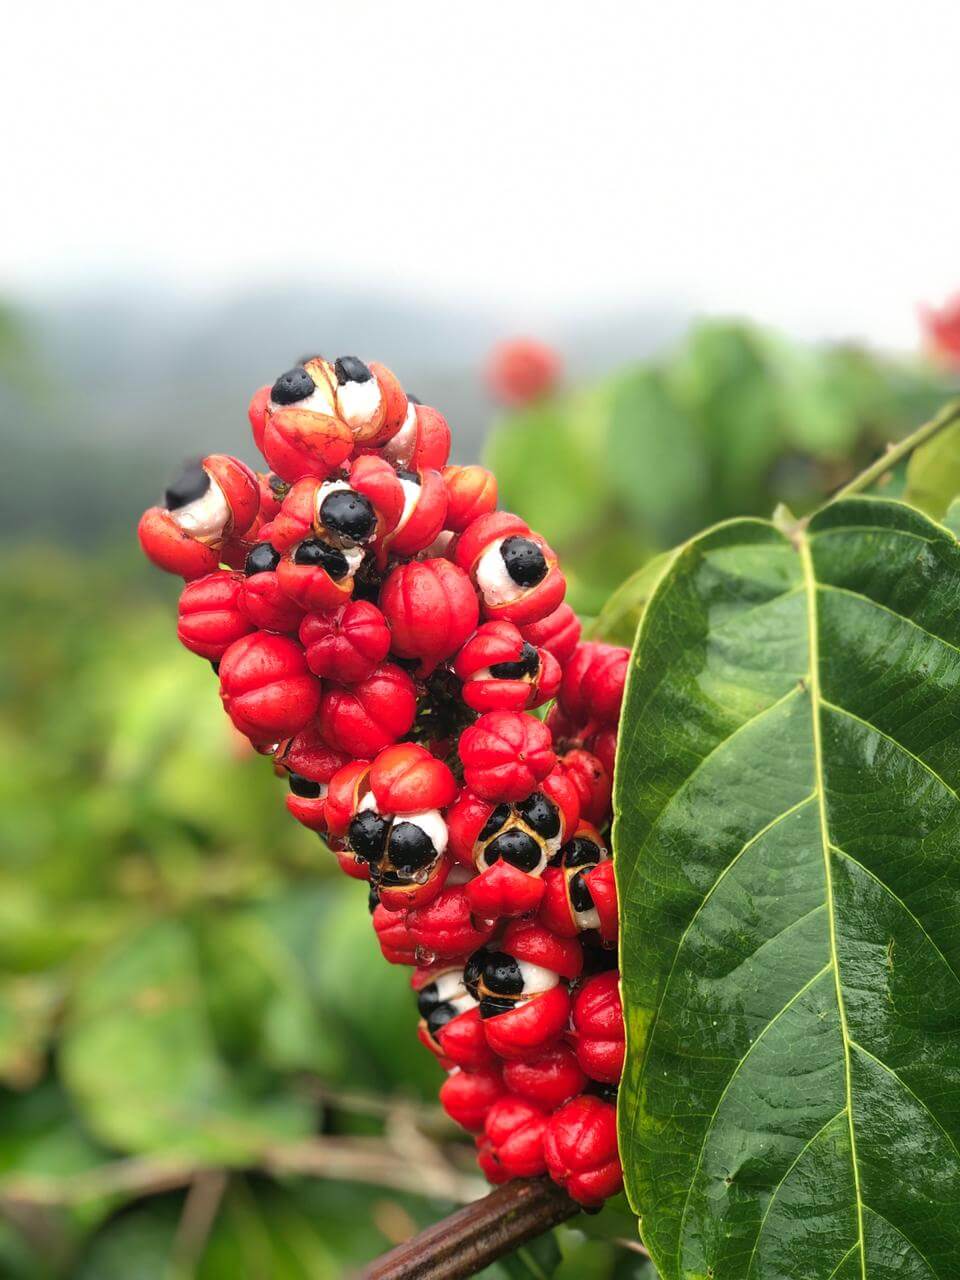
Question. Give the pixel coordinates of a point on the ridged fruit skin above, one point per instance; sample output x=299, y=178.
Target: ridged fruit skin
x=266, y=687
x=209, y=615
x=580, y=1149
x=404, y=653
x=431, y=610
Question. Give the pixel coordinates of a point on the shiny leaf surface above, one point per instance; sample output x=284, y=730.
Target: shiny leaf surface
x=787, y=842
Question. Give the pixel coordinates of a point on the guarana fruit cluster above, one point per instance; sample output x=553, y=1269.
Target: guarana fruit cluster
x=384, y=634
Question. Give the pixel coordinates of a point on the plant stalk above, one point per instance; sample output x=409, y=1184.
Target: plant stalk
x=473, y=1237
x=947, y=416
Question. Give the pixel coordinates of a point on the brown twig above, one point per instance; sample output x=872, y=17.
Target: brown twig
x=197, y=1217
x=477, y=1235
x=366, y=1160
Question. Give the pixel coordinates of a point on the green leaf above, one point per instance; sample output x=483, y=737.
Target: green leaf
x=654, y=459
x=619, y=618
x=139, y=1059
x=933, y=473
x=787, y=838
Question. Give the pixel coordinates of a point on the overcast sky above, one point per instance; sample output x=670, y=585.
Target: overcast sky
x=795, y=162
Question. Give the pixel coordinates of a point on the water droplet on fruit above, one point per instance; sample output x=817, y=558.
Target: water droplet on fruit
x=424, y=956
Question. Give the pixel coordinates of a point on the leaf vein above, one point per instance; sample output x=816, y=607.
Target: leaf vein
x=733, y=1075
x=816, y=709
x=903, y=1236
x=682, y=786
x=683, y=937
x=868, y=724
x=884, y=608
x=776, y=1190
x=903, y=1084
x=900, y=902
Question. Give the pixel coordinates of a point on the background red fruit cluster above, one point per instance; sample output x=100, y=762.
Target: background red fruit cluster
x=392, y=642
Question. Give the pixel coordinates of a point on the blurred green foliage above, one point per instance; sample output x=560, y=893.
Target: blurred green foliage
x=729, y=423
x=191, y=998
x=186, y=979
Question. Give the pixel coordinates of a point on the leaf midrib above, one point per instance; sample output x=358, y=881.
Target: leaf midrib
x=813, y=651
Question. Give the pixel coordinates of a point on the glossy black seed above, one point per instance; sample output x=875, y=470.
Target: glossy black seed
x=410, y=847
x=579, y=852
x=428, y=998
x=348, y=513
x=490, y=1006
x=528, y=664
x=473, y=970
x=580, y=898
x=496, y=820
x=501, y=974
x=368, y=835
x=192, y=483
x=262, y=559
x=304, y=787
x=599, y=959
x=524, y=561
x=541, y=814
x=351, y=369
x=314, y=552
x=439, y=1016
x=404, y=474
x=292, y=386
x=515, y=847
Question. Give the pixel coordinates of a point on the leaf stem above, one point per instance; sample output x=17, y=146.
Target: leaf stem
x=947, y=416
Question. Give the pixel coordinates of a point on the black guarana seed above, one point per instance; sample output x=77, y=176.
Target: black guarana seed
x=580, y=898
x=367, y=835
x=411, y=848
x=599, y=960
x=192, y=483
x=524, y=561
x=473, y=970
x=320, y=554
x=293, y=386
x=514, y=847
x=404, y=474
x=439, y=1016
x=490, y=1006
x=348, y=513
x=528, y=664
x=579, y=852
x=541, y=814
x=496, y=820
x=501, y=974
x=261, y=559
x=351, y=369
x=428, y=998
x=306, y=788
